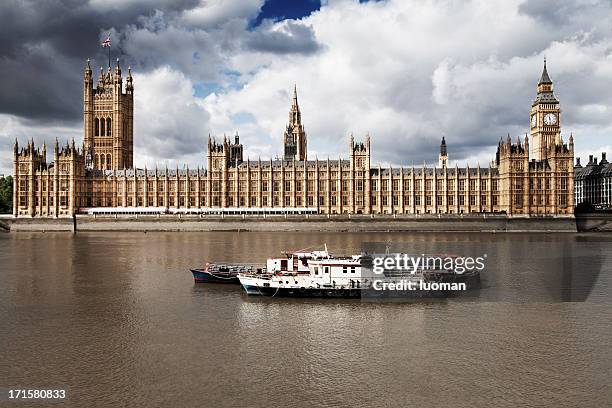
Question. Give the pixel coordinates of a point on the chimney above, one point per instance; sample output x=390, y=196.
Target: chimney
x=577, y=161
x=595, y=161
x=590, y=159
x=603, y=156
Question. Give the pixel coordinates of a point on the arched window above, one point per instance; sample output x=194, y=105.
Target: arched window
x=96, y=162
x=96, y=127
x=102, y=127
x=109, y=127
x=109, y=161
x=102, y=162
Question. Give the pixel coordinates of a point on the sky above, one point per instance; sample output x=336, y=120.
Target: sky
x=406, y=72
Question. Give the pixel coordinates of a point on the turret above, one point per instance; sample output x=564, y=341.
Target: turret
x=117, y=70
x=443, y=156
x=129, y=84
x=88, y=77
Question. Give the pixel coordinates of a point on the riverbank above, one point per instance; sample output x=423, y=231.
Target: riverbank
x=338, y=223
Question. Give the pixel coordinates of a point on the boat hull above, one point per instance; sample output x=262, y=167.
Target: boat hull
x=204, y=276
x=265, y=287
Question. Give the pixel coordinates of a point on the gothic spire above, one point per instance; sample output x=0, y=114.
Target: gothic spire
x=295, y=102
x=294, y=113
x=545, y=79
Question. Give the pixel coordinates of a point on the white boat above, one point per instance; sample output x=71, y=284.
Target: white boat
x=319, y=274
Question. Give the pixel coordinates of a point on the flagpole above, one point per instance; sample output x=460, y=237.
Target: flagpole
x=109, y=57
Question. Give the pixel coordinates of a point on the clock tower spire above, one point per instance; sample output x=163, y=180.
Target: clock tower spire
x=545, y=118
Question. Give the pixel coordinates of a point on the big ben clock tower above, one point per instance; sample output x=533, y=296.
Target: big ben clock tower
x=545, y=118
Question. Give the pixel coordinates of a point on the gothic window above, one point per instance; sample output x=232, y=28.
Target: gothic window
x=108, y=161
x=96, y=127
x=109, y=127
x=102, y=121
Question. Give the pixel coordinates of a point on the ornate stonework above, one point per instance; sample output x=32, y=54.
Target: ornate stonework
x=100, y=174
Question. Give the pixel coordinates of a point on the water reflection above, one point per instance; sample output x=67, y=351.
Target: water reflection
x=118, y=319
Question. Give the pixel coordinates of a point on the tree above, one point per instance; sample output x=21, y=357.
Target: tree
x=6, y=195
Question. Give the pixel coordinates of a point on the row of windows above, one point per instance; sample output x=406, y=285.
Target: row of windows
x=103, y=127
x=242, y=201
x=289, y=185
x=23, y=201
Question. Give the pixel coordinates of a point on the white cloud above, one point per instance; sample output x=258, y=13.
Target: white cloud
x=405, y=71
x=410, y=72
x=170, y=125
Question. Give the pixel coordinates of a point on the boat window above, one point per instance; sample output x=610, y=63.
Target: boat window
x=283, y=264
x=353, y=269
x=344, y=269
x=316, y=270
x=326, y=269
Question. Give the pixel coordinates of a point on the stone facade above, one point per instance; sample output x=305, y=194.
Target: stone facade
x=100, y=173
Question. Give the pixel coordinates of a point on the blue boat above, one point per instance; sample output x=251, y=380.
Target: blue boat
x=219, y=273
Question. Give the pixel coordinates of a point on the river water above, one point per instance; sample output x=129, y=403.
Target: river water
x=116, y=319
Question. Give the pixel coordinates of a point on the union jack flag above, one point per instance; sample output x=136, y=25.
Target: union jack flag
x=107, y=42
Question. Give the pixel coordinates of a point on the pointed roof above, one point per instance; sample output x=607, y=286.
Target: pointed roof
x=545, y=79
x=295, y=101
x=545, y=92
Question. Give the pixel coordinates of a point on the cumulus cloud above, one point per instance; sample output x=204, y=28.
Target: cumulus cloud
x=410, y=72
x=171, y=127
x=407, y=72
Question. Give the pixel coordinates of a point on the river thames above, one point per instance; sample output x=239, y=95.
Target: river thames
x=116, y=320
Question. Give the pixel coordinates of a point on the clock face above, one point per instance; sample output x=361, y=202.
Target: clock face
x=550, y=119
x=533, y=120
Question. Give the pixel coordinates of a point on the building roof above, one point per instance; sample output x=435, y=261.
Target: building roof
x=544, y=78
x=593, y=171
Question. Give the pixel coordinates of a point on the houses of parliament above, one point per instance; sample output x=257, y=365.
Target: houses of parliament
x=532, y=176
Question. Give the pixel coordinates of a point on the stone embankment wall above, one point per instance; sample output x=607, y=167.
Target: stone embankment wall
x=359, y=223
x=594, y=222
